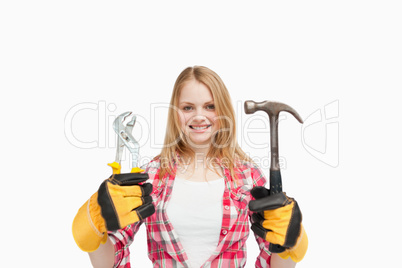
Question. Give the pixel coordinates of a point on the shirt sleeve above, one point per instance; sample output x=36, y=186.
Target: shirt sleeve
x=122, y=239
x=264, y=257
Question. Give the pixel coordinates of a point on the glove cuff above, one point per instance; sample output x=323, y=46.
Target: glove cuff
x=88, y=226
x=297, y=252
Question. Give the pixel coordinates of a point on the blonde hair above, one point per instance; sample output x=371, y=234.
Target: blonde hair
x=224, y=150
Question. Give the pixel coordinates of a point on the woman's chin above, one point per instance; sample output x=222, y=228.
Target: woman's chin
x=200, y=143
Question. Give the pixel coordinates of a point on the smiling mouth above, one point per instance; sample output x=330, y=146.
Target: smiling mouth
x=199, y=127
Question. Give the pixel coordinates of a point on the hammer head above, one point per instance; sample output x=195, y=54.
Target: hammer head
x=271, y=108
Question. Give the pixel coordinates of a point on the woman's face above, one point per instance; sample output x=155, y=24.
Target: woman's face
x=197, y=114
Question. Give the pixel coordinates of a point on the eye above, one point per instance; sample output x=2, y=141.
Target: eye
x=187, y=108
x=210, y=107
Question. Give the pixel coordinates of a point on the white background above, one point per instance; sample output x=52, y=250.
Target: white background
x=68, y=67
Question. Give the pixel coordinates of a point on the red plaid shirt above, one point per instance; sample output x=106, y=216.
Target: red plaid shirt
x=164, y=247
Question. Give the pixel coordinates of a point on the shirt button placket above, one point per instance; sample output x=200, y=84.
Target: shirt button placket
x=226, y=213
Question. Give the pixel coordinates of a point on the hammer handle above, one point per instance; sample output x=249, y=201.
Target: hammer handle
x=275, y=187
x=275, y=181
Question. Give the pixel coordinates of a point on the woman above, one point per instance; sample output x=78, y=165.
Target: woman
x=201, y=188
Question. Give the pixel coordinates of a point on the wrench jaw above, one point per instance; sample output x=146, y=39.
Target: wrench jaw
x=125, y=139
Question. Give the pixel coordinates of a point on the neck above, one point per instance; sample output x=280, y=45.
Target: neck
x=199, y=167
x=200, y=149
x=199, y=160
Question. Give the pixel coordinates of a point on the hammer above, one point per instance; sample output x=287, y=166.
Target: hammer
x=275, y=181
x=272, y=109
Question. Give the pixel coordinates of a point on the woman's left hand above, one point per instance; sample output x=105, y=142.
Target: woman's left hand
x=278, y=220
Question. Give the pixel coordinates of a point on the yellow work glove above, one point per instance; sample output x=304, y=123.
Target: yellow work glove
x=120, y=201
x=278, y=220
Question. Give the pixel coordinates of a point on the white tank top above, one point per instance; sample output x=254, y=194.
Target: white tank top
x=195, y=211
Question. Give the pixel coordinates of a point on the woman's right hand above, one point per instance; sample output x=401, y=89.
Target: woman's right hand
x=120, y=201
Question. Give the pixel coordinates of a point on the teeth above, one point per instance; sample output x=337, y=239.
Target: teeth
x=199, y=128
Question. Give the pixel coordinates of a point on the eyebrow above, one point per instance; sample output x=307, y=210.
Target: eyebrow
x=186, y=102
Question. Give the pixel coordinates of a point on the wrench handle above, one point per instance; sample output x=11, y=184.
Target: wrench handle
x=275, y=181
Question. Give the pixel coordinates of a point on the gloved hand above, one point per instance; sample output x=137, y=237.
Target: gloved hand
x=120, y=201
x=278, y=221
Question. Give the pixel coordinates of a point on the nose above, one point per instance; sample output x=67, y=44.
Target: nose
x=199, y=115
x=199, y=118
x=201, y=111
